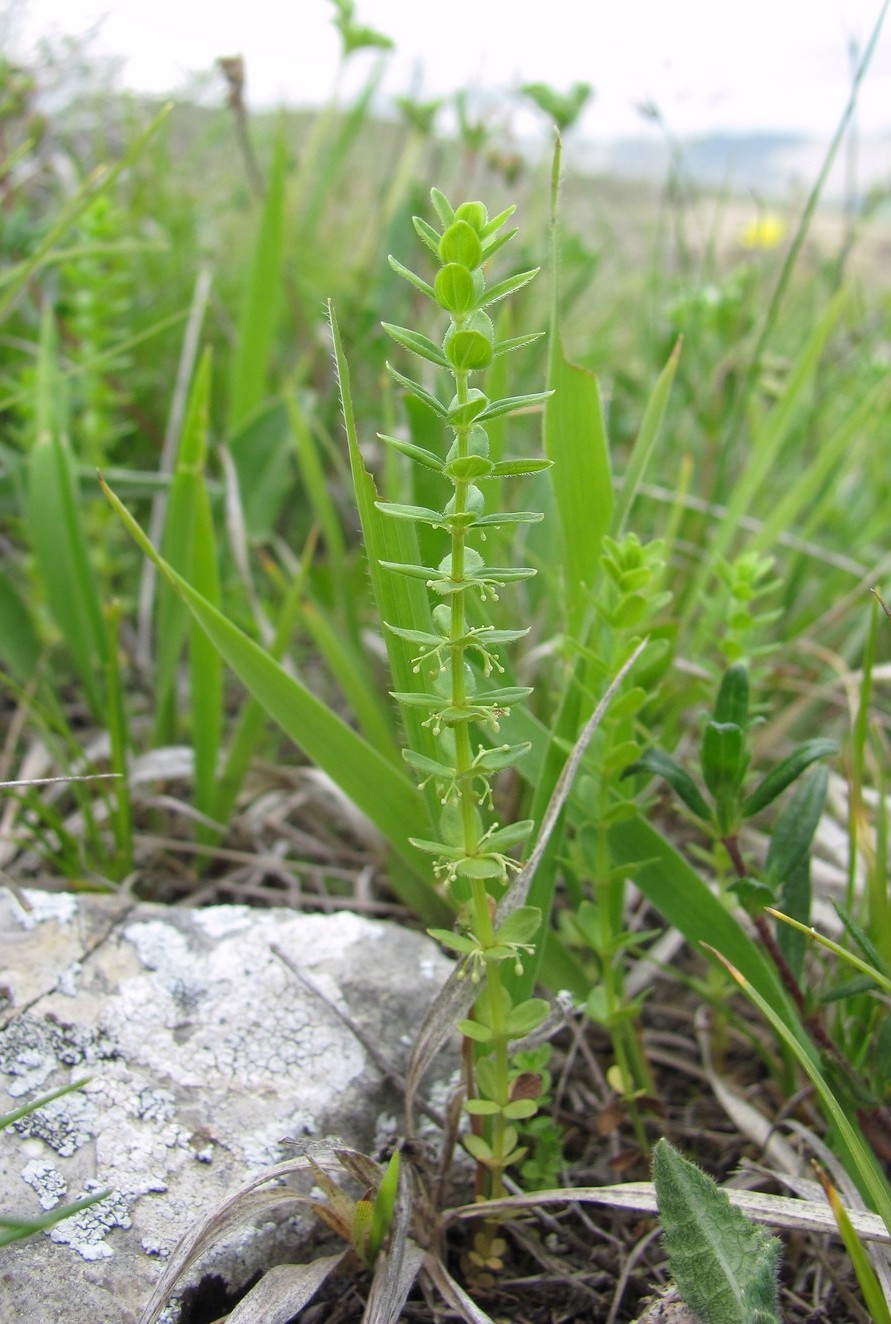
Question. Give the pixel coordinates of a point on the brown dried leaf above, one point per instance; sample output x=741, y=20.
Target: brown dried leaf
x=283, y=1290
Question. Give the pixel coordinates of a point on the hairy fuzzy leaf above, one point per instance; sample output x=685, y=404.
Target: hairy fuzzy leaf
x=725, y=1266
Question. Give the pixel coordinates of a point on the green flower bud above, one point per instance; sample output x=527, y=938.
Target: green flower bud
x=442, y=619
x=467, y=351
x=472, y=346
x=456, y=289
x=462, y=413
x=461, y=244
x=474, y=213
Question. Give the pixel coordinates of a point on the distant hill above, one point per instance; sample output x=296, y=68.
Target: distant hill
x=769, y=164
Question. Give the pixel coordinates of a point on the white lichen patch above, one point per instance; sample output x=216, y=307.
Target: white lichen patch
x=43, y=906
x=46, y=1181
x=67, y=982
x=204, y=1052
x=32, y=1048
x=63, y=1124
x=160, y=946
x=86, y=1232
x=223, y=921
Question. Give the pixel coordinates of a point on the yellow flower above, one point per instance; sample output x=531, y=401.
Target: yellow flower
x=764, y=232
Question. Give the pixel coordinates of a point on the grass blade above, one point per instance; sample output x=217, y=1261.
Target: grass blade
x=57, y=531
x=862, y=1161
x=374, y=785
x=650, y=428
x=400, y=600
x=259, y=315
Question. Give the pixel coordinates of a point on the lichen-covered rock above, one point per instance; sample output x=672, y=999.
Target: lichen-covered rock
x=204, y=1051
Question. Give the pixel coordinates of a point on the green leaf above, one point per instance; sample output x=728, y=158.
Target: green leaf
x=418, y=514
x=516, y=342
x=416, y=453
x=651, y=425
x=410, y=276
x=678, y=893
x=576, y=444
x=724, y=1265
x=787, y=868
x=520, y=926
x=512, y=403
x=415, y=389
x=384, y=1205
x=732, y=703
x=660, y=764
x=480, y=1034
x=417, y=343
x=525, y=1017
x=508, y=286
x=511, y=835
x=262, y=295
x=519, y=468
x=373, y=783
x=388, y=543
x=564, y=108
x=444, y=210
x=872, y=1291
x=481, y=1107
x=787, y=772
x=56, y=527
x=723, y=758
x=202, y=572
x=19, y=644
x=262, y=452
x=851, y=1146
x=520, y=1109
x=477, y=1147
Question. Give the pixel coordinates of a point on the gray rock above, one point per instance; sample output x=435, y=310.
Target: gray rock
x=203, y=1051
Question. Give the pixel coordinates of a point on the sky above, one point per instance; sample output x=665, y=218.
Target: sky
x=709, y=65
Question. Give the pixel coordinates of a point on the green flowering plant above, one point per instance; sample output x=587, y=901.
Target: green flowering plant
x=458, y=660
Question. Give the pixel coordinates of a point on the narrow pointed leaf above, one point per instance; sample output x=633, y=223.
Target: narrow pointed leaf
x=262, y=297
x=512, y=403
x=373, y=783
x=410, y=276
x=787, y=772
x=505, y=287
x=575, y=442
x=660, y=764
x=650, y=428
x=56, y=527
x=416, y=453
x=416, y=343
x=415, y=389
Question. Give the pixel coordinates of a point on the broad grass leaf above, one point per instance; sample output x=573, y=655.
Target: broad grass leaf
x=261, y=300
x=56, y=527
x=400, y=599
x=374, y=784
x=575, y=442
